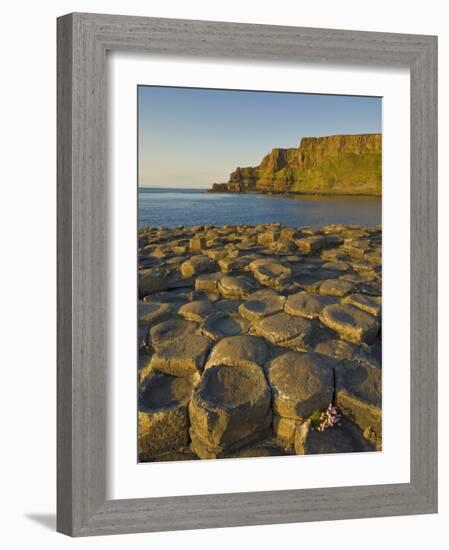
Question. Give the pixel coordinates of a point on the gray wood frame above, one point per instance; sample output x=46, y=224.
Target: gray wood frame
x=83, y=40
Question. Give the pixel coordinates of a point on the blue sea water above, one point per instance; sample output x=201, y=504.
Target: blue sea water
x=168, y=207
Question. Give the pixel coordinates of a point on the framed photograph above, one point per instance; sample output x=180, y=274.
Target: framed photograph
x=247, y=278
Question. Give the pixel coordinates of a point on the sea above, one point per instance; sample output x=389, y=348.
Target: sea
x=165, y=207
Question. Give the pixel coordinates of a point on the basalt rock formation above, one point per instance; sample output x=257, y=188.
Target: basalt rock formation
x=248, y=334
x=334, y=165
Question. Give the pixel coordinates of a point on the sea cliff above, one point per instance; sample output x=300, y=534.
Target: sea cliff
x=334, y=165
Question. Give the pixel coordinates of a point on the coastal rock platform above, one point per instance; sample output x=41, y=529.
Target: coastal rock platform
x=249, y=335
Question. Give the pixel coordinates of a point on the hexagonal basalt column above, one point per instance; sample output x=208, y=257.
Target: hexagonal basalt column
x=351, y=323
x=230, y=406
x=286, y=330
x=302, y=383
x=163, y=422
x=358, y=395
x=342, y=438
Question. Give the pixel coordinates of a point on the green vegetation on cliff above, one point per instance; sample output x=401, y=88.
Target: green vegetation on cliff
x=342, y=164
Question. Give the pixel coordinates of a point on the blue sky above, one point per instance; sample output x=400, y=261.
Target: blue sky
x=195, y=137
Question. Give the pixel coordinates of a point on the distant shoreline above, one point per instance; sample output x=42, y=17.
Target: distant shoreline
x=293, y=194
x=285, y=194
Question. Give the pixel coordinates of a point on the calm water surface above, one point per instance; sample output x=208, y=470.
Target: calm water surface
x=168, y=207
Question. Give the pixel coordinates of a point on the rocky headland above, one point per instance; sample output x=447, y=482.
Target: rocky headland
x=259, y=341
x=331, y=165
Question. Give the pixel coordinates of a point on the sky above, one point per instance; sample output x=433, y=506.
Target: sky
x=192, y=138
